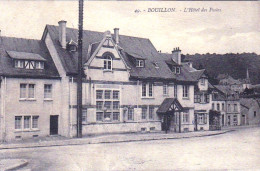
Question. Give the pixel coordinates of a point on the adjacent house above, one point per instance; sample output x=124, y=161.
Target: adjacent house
x=250, y=111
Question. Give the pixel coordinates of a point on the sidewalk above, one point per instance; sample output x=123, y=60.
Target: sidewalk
x=108, y=138
x=11, y=164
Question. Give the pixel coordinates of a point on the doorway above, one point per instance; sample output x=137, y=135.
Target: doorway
x=243, y=120
x=54, y=124
x=223, y=120
x=229, y=120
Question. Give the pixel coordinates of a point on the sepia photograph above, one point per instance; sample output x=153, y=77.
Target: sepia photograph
x=129, y=85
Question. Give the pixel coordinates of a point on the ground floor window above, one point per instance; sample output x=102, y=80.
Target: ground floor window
x=235, y=118
x=185, y=118
x=151, y=113
x=84, y=116
x=26, y=122
x=148, y=113
x=144, y=112
x=130, y=115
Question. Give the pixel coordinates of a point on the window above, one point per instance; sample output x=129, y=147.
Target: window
x=235, y=107
x=185, y=91
x=202, y=81
x=99, y=116
x=39, y=65
x=99, y=94
x=218, y=107
x=115, y=94
x=19, y=64
x=31, y=92
x=27, y=122
x=84, y=115
x=207, y=98
x=47, y=91
x=107, y=94
x=213, y=106
x=197, y=98
x=223, y=106
x=108, y=62
x=151, y=113
x=254, y=113
x=35, y=121
x=185, y=117
x=147, y=87
x=130, y=115
x=235, y=118
x=23, y=91
x=144, y=112
x=229, y=108
x=29, y=64
x=18, y=122
x=175, y=91
x=116, y=116
x=165, y=89
x=202, y=118
x=139, y=63
x=107, y=105
x=178, y=70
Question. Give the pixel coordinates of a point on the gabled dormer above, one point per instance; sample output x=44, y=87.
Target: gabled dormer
x=24, y=60
x=138, y=60
x=72, y=46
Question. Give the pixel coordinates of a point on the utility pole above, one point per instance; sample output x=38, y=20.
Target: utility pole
x=79, y=78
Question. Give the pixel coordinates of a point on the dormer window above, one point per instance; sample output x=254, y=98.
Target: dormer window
x=19, y=64
x=72, y=48
x=176, y=70
x=139, y=63
x=202, y=81
x=39, y=65
x=156, y=65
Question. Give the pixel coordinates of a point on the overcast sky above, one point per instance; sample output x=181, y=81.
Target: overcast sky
x=235, y=29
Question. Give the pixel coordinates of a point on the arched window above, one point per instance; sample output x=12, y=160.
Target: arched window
x=108, y=62
x=218, y=106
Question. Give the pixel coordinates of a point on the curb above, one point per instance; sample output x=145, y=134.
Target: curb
x=116, y=141
x=16, y=166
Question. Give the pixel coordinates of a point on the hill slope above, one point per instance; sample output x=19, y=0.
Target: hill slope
x=232, y=64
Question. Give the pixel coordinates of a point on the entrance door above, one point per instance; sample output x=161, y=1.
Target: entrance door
x=223, y=120
x=53, y=124
x=243, y=120
x=166, y=122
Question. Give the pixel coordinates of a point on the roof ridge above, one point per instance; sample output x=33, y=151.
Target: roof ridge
x=20, y=38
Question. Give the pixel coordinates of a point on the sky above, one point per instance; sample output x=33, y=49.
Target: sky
x=234, y=28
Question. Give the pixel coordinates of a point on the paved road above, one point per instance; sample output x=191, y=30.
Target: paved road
x=234, y=150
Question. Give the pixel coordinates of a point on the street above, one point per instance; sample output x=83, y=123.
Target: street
x=239, y=149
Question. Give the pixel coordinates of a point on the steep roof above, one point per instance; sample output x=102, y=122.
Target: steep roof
x=22, y=47
x=130, y=47
x=248, y=102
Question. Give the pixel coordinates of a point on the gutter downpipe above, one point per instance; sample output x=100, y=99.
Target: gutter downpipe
x=3, y=96
x=70, y=99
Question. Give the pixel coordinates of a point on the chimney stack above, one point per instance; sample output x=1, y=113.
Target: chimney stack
x=176, y=55
x=116, y=35
x=62, y=33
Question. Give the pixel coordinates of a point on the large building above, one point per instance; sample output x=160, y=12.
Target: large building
x=128, y=86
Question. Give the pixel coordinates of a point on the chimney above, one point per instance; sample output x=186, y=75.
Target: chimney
x=62, y=33
x=176, y=55
x=116, y=35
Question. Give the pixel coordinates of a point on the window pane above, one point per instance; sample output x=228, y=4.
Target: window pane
x=116, y=116
x=151, y=112
x=84, y=115
x=115, y=94
x=107, y=94
x=130, y=114
x=116, y=105
x=99, y=116
x=27, y=122
x=150, y=89
x=143, y=89
x=18, y=122
x=99, y=94
x=22, y=90
x=47, y=91
x=107, y=104
x=107, y=116
x=144, y=113
x=165, y=89
x=35, y=121
x=31, y=91
x=99, y=105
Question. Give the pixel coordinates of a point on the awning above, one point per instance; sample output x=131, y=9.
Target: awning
x=170, y=104
x=25, y=56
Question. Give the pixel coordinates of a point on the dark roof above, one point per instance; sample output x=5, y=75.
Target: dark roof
x=25, y=55
x=24, y=46
x=248, y=102
x=166, y=104
x=129, y=47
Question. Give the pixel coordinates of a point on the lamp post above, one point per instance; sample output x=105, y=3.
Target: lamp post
x=79, y=76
